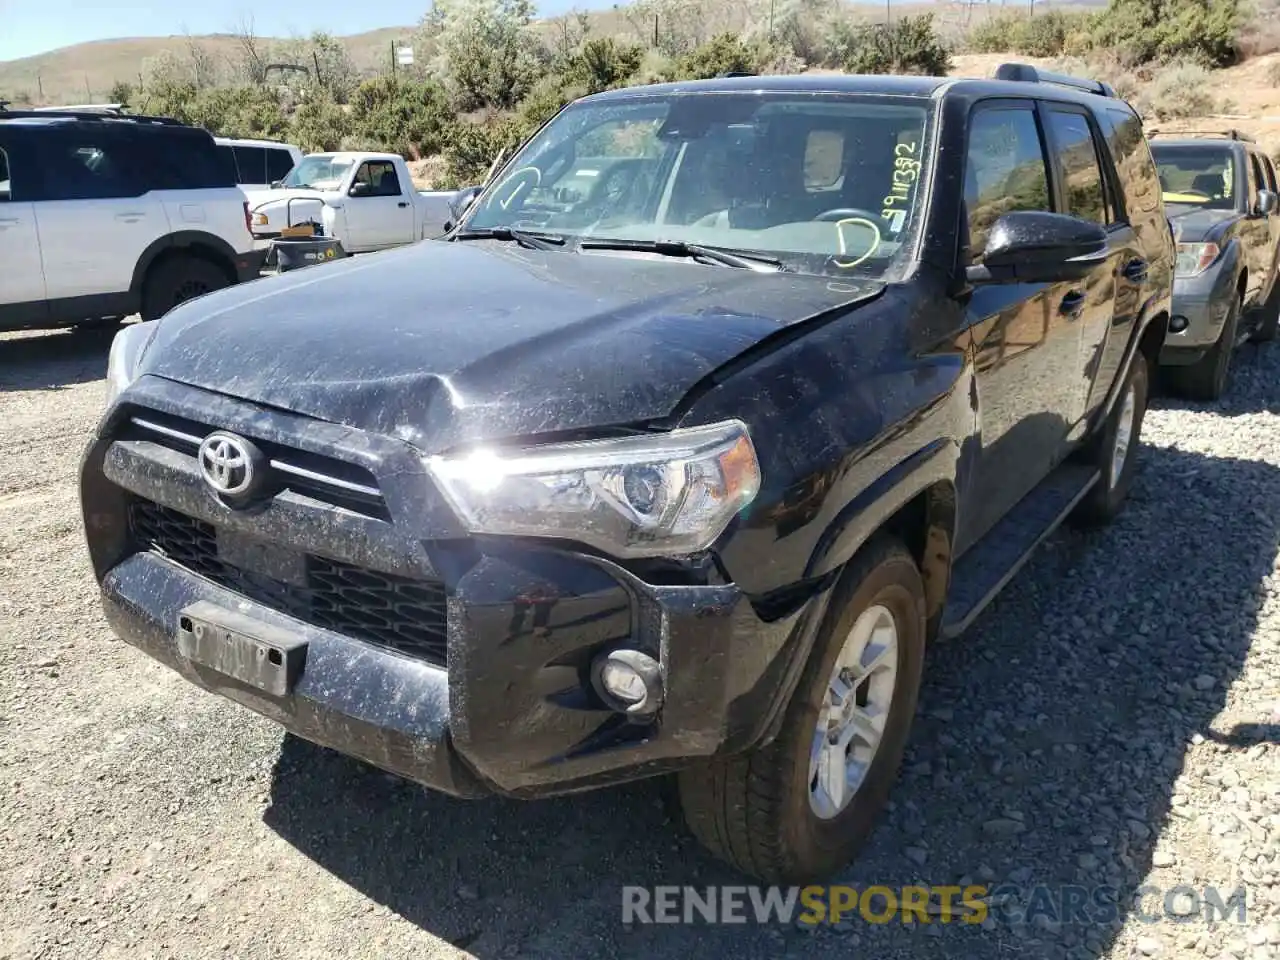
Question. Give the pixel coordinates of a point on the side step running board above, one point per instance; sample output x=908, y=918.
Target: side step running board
x=994, y=560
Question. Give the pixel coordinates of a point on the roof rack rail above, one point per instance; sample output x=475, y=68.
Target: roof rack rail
x=1026, y=73
x=1231, y=133
x=106, y=108
x=44, y=113
x=736, y=73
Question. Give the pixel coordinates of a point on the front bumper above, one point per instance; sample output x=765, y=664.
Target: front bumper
x=509, y=707
x=1203, y=302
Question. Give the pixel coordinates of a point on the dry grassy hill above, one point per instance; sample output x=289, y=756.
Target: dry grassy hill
x=86, y=72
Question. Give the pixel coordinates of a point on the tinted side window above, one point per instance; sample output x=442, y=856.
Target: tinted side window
x=381, y=177
x=279, y=163
x=1132, y=158
x=1257, y=178
x=229, y=156
x=88, y=165
x=252, y=164
x=1004, y=170
x=1082, y=189
x=5, y=186
x=1268, y=171
x=185, y=159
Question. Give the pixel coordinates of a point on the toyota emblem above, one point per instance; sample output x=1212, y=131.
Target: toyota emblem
x=229, y=464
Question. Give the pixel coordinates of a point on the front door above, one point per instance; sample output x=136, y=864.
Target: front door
x=1027, y=336
x=21, y=275
x=379, y=210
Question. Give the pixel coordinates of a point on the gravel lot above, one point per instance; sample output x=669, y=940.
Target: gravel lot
x=1114, y=718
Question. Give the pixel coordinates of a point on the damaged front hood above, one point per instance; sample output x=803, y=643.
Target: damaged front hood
x=443, y=344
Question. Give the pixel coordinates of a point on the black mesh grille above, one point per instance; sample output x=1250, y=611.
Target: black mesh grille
x=384, y=609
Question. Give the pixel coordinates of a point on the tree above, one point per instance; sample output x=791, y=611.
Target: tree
x=490, y=55
x=252, y=56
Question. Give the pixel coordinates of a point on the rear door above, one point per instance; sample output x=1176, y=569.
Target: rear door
x=21, y=273
x=95, y=216
x=1085, y=192
x=383, y=215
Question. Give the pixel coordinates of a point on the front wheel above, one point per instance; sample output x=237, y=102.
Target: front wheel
x=1207, y=378
x=1114, y=451
x=799, y=808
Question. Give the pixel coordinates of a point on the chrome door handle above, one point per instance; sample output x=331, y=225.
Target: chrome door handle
x=130, y=217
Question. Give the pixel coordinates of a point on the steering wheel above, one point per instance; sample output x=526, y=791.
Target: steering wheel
x=849, y=213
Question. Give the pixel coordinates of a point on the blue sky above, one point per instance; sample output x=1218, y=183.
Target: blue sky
x=28, y=27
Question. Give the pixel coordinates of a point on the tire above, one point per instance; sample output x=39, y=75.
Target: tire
x=177, y=280
x=1268, y=316
x=756, y=811
x=1207, y=378
x=1106, y=498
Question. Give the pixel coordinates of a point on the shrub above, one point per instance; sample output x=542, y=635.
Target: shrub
x=1044, y=35
x=1178, y=92
x=1203, y=31
x=723, y=54
x=601, y=64
x=908, y=45
x=471, y=148
x=320, y=124
x=491, y=56
x=400, y=116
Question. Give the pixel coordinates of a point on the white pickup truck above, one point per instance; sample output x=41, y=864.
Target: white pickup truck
x=364, y=200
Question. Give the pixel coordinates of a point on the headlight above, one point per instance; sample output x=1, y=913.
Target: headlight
x=1195, y=258
x=126, y=351
x=260, y=220
x=662, y=495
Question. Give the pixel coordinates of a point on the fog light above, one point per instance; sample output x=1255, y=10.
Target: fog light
x=1178, y=323
x=628, y=681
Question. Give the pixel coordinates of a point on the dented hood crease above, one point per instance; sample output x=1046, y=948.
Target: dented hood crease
x=442, y=344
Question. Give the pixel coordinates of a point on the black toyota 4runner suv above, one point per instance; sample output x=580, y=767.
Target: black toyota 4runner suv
x=718, y=404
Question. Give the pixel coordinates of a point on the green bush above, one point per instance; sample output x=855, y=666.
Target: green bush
x=490, y=54
x=601, y=64
x=1043, y=35
x=408, y=117
x=723, y=54
x=320, y=124
x=1139, y=31
x=470, y=149
x=908, y=45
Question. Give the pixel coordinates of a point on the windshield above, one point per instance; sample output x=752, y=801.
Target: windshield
x=1203, y=176
x=318, y=172
x=827, y=184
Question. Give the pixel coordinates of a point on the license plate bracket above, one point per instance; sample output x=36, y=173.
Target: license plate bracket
x=264, y=656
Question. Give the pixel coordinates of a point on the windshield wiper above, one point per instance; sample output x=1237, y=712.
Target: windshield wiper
x=530, y=241
x=678, y=248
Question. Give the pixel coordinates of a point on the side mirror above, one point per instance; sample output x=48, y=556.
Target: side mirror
x=1031, y=246
x=277, y=184
x=1267, y=202
x=360, y=190
x=462, y=200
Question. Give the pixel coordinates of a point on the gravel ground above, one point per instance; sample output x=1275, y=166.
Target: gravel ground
x=1113, y=719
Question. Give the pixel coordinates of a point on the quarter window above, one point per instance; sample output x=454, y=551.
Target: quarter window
x=5, y=186
x=1082, y=188
x=1004, y=170
x=252, y=164
x=279, y=163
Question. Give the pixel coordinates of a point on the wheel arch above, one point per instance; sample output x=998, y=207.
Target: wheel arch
x=915, y=501
x=191, y=243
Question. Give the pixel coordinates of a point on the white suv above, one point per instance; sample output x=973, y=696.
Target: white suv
x=259, y=163
x=104, y=216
